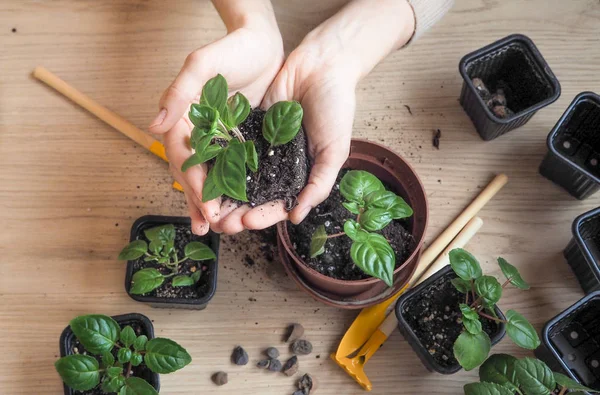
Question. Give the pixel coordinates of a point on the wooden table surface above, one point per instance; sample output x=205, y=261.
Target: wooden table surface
x=71, y=186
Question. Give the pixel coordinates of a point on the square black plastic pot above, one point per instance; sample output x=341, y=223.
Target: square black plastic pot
x=573, y=158
x=445, y=274
x=571, y=342
x=68, y=337
x=211, y=239
x=515, y=64
x=583, y=251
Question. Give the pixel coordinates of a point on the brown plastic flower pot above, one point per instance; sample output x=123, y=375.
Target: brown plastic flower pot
x=394, y=171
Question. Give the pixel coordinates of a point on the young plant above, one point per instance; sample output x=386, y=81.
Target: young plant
x=118, y=350
x=375, y=208
x=504, y=374
x=216, y=136
x=482, y=292
x=161, y=250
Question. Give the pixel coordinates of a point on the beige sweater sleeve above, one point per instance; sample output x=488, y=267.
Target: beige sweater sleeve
x=428, y=13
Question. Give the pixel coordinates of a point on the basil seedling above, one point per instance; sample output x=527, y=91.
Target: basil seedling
x=100, y=335
x=216, y=136
x=375, y=208
x=482, y=292
x=503, y=374
x=161, y=250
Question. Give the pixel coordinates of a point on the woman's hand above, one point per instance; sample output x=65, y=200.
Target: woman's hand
x=249, y=57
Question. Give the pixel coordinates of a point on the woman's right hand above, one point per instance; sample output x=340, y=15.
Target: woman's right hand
x=249, y=57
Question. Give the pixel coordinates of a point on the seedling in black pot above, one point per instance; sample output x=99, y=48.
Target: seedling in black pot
x=583, y=251
x=504, y=374
x=505, y=84
x=109, y=354
x=573, y=158
x=374, y=208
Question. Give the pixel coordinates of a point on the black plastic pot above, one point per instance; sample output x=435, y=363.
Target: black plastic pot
x=571, y=341
x=573, y=158
x=583, y=251
x=445, y=274
x=514, y=64
x=211, y=239
x=68, y=337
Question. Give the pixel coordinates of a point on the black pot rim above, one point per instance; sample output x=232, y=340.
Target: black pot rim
x=537, y=56
x=166, y=301
x=413, y=337
x=550, y=324
x=551, y=136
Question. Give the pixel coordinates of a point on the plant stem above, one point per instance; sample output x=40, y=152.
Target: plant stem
x=489, y=317
x=234, y=130
x=563, y=391
x=506, y=282
x=128, y=369
x=336, y=235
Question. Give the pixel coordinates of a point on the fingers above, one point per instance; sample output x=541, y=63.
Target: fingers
x=232, y=223
x=265, y=215
x=227, y=207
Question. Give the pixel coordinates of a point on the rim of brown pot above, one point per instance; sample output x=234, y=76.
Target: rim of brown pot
x=383, y=162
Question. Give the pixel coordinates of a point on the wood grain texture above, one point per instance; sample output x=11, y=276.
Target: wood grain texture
x=71, y=187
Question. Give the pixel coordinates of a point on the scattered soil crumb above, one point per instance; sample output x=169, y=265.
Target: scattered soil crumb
x=436, y=138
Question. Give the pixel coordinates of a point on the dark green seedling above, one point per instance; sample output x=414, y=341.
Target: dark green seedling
x=161, y=250
x=375, y=208
x=504, y=374
x=216, y=136
x=481, y=294
x=111, y=354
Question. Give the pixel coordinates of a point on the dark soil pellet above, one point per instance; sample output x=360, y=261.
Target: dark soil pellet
x=295, y=332
x=219, y=378
x=272, y=352
x=336, y=262
x=301, y=347
x=408, y=108
x=306, y=384
x=436, y=138
x=436, y=319
x=291, y=366
x=275, y=365
x=264, y=364
x=239, y=356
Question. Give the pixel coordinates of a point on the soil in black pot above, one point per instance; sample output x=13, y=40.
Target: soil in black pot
x=335, y=262
x=183, y=236
x=435, y=317
x=282, y=170
x=140, y=371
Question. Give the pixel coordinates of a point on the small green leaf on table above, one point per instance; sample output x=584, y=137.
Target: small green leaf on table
x=521, y=331
x=512, y=274
x=500, y=369
x=535, y=377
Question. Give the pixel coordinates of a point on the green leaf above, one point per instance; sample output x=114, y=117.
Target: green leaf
x=210, y=190
x=107, y=359
x=193, y=160
x=204, y=117
x=230, y=171
x=352, y=207
x=251, y=156
x=375, y=257
x=201, y=144
x=569, y=383
x=500, y=369
x=470, y=319
x=127, y=336
x=512, y=274
x=113, y=372
x=165, y=356
x=196, y=275
x=486, y=389
x=238, y=108
x=353, y=231
x=137, y=386
x=153, y=234
x=97, y=333
x=198, y=251
x=210, y=152
x=182, y=281
x=136, y=359
x=124, y=355
x=489, y=289
x=463, y=286
x=166, y=235
x=471, y=350
x=282, y=122
x=375, y=219
x=317, y=242
x=356, y=184
x=214, y=93
x=80, y=372
x=464, y=264
x=196, y=135
x=394, y=204
x=113, y=385
x=521, y=331
x=140, y=343
x=535, y=377
x=133, y=250
x=146, y=280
